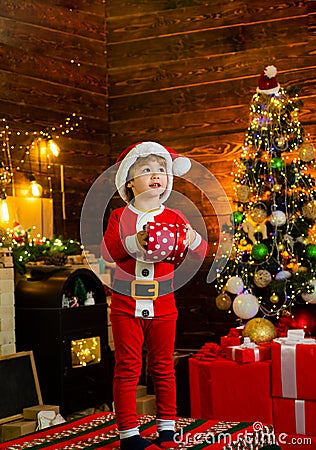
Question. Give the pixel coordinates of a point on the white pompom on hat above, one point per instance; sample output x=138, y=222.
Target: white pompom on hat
x=268, y=83
x=175, y=165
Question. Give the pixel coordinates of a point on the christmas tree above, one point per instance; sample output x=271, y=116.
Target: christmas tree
x=272, y=265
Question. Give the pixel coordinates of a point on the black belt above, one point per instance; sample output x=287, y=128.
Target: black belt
x=143, y=289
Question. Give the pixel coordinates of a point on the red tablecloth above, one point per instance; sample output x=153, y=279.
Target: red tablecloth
x=98, y=431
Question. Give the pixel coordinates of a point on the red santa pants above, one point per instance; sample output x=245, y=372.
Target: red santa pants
x=129, y=334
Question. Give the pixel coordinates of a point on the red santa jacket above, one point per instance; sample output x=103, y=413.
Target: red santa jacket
x=120, y=246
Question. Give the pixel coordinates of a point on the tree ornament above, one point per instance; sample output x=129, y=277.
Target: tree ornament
x=310, y=297
x=274, y=298
x=306, y=152
x=223, y=301
x=262, y=278
x=283, y=275
x=259, y=213
x=305, y=318
x=278, y=218
x=246, y=306
x=252, y=228
x=243, y=192
x=276, y=187
x=281, y=247
x=259, y=252
x=234, y=285
x=277, y=163
x=259, y=330
x=309, y=210
x=280, y=143
x=311, y=251
x=236, y=218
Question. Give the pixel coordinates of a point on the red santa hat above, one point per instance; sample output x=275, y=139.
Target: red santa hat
x=267, y=83
x=175, y=164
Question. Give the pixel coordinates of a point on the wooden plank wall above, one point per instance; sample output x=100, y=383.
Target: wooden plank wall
x=53, y=65
x=182, y=72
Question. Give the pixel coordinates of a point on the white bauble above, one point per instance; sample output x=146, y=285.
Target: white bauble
x=234, y=285
x=278, y=218
x=310, y=298
x=283, y=275
x=246, y=306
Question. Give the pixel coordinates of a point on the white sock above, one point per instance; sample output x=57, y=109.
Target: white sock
x=128, y=433
x=165, y=425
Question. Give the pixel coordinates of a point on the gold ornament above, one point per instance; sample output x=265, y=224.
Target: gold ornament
x=223, y=301
x=280, y=247
x=243, y=242
x=276, y=187
x=259, y=330
x=243, y=193
x=274, y=298
x=309, y=210
x=262, y=278
x=259, y=213
x=306, y=152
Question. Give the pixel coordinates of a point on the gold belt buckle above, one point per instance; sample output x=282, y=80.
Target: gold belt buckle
x=153, y=291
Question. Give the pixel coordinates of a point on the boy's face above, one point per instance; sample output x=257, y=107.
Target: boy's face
x=148, y=176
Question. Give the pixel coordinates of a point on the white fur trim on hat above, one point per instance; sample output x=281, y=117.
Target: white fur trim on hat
x=175, y=165
x=267, y=83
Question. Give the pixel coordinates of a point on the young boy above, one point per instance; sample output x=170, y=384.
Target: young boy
x=143, y=304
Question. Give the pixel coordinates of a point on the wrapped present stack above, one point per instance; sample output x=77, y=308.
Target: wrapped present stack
x=221, y=387
x=294, y=383
x=270, y=382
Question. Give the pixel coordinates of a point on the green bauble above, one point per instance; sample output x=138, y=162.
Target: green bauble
x=259, y=252
x=236, y=218
x=277, y=163
x=311, y=251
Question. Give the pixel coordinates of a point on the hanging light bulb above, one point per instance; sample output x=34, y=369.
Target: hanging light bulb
x=53, y=147
x=47, y=145
x=36, y=188
x=4, y=210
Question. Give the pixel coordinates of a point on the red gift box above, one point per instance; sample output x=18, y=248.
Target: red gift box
x=229, y=390
x=294, y=416
x=249, y=352
x=199, y=373
x=232, y=338
x=293, y=367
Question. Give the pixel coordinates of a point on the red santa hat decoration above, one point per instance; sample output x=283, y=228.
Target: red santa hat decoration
x=267, y=83
x=175, y=164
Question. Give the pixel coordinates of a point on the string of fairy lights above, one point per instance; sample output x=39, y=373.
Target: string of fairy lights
x=273, y=262
x=38, y=148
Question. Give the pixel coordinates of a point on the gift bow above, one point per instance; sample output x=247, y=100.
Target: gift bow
x=247, y=344
x=233, y=332
x=288, y=360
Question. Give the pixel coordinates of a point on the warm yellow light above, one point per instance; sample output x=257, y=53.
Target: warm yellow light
x=4, y=210
x=47, y=145
x=53, y=147
x=36, y=189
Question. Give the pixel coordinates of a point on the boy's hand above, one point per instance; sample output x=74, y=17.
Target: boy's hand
x=142, y=238
x=191, y=234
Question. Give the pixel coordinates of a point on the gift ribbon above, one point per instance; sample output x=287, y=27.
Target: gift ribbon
x=247, y=344
x=288, y=360
x=300, y=416
x=255, y=350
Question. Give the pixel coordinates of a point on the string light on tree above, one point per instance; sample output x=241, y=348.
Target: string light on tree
x=273, y=266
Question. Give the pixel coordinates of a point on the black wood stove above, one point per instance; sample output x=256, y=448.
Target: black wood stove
x=70, y=344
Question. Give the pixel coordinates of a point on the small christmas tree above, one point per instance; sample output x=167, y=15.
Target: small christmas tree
x=272, y=265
